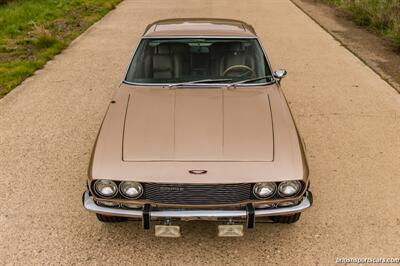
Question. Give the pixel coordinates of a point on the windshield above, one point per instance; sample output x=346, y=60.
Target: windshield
x=212, y=60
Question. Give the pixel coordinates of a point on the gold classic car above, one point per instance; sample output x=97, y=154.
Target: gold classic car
x=199, y=129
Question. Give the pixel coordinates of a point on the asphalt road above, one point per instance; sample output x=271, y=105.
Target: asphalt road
x=347, y=115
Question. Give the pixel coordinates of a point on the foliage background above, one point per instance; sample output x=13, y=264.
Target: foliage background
x=379, y=15
x=34, y=31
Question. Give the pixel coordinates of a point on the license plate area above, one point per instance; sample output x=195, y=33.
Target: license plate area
x=230, y=230
x=173, y=231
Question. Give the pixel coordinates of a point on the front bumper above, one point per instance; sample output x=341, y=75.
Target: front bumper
x=195, y=214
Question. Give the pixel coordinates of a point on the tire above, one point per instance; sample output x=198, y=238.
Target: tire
x=286, y=219
x=110, y=219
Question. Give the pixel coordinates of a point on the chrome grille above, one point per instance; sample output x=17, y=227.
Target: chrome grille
x=197, y=193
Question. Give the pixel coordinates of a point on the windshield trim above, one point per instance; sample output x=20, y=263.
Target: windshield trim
x=200, y=84
x=273, y=81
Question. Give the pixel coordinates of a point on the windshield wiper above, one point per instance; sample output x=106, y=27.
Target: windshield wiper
x=249, y=80
x=197, y=81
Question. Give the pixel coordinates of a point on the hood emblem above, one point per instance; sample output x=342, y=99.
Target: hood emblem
x=197, y=172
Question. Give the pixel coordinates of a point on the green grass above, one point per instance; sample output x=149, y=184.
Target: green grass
x=382, y=16
x=34, y=31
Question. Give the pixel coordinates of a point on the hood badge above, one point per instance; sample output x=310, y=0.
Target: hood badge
x=198, y=172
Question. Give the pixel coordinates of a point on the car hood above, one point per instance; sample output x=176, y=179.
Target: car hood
x=198, y=124
x=155, y=134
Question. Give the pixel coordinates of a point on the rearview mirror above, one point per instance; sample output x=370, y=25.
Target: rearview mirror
x=280, y=74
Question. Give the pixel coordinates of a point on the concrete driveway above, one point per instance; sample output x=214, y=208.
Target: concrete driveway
x=347, y=115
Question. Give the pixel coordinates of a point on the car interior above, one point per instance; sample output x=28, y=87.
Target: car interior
x=163, y=61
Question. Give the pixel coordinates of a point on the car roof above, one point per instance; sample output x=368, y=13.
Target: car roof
x=199, y=27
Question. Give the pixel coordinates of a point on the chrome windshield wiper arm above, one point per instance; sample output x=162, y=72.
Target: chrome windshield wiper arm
x=249, y=80
x=197, y=81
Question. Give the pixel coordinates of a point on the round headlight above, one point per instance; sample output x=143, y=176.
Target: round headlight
x=130, y=189
x=106, y=188
x=289, y=188
x=264, y=190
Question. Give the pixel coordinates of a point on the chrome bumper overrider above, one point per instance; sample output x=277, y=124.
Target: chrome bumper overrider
x=90, y=205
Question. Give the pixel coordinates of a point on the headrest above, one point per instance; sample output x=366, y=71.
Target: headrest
x=180, y=48
x=162, y=49
x=236, y=47
x=219, y=46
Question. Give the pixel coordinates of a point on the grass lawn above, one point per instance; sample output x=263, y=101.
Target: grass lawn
x=380, y=15
x=34, y=31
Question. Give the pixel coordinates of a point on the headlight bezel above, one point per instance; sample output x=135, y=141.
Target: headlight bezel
x=259, y=184
x=99, y=194
x=120, y=189
x=297, y=192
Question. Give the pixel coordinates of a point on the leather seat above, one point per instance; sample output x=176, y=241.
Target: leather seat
x=181, y=55
x=217, y=52
x=163, y=63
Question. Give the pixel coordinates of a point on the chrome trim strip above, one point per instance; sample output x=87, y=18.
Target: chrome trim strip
x=213, y=85
x=91, y=206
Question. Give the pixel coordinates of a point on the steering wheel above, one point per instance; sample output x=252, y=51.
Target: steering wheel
x=240, y=68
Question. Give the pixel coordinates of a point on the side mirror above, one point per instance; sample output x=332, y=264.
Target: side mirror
x=280, y=74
